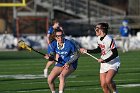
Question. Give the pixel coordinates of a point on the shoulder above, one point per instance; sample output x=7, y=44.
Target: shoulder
x=69, y=42
x=98, y=38
x=121, y=28
x=50, y=28
x=108, y=38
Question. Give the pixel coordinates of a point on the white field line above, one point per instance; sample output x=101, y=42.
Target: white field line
x=14, y=65
x=74, y=89
x=31, y=76
x=28, y=76
x=129, y=85
x=85, y=66
x=9, y=71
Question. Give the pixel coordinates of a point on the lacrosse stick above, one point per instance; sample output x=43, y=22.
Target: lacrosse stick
x=91, y=55
x=78, y=47
x=23, y=45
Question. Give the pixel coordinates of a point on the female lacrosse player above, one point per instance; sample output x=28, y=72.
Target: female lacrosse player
x=109, y=58
x=50, y=38
x=67, y=56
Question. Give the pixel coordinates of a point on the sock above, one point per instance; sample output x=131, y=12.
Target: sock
x=115, y=91
x=53, y=91
x=60, y=91
x=45, y=72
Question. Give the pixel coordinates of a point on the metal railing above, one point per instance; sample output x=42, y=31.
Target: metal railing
x=82, y=8
x=114, y=21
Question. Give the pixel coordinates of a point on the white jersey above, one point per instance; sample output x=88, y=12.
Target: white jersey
x=106, y=45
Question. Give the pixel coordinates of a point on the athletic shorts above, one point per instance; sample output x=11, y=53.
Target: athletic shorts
x=113, y=64
x=73, y=64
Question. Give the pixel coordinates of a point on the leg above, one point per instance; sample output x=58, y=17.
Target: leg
x=109, y=80
x=62, y=77
x=49, y=63
x=103, y=83
x=123, y=44
x=127, y=44
x=53, y=75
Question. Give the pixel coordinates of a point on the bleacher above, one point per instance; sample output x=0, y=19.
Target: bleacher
x=91, y=11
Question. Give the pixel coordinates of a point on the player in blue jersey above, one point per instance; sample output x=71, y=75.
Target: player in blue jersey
x=125, y=31
x=67, y=56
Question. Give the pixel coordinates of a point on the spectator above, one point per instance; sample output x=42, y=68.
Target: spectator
x=124, y=32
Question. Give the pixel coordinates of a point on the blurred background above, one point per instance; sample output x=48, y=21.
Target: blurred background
x=77, y=17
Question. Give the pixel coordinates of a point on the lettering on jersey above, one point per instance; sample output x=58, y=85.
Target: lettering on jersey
x=102, y=46
x=125, y=30
x=102, y=49
x=62, y=53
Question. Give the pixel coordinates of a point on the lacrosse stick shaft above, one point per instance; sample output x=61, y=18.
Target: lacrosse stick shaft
x=23, y=45
x=91, y=56
x=41, y=53
x=38, y=51
x=78, y=47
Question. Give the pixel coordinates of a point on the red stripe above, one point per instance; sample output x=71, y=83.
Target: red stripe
x=112, y=46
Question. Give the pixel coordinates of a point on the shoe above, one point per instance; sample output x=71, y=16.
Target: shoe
x=45, y=73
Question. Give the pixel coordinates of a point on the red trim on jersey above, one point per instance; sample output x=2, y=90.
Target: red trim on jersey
x=112, y=45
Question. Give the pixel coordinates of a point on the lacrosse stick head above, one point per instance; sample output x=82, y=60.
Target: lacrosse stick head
x=23, y=45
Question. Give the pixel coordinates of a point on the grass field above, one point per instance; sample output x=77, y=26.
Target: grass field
x=22, y=72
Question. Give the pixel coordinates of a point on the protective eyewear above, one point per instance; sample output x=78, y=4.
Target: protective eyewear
x=58, y=36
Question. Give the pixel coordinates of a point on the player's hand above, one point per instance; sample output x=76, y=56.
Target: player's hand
x=100, y=60
x=82, y=50
x=56, y=57
x=46, y=56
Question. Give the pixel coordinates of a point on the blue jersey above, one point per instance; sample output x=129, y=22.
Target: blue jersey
x=50, y=31
x=65, y=53
x=124, y=31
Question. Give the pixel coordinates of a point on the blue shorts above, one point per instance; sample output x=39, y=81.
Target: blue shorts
x=74, y=65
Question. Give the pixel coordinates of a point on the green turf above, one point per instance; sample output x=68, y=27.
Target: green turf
x=15, y=66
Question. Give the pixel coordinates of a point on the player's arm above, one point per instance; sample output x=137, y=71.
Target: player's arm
x=48, y=38
x=52, y=52
x=75, y=54
x=114, y=55
x=74, y=57
x=96, y=50
x=50, y=30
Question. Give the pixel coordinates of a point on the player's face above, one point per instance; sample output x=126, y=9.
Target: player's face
x=59, y=37
x=56, y=25
x=98, y=30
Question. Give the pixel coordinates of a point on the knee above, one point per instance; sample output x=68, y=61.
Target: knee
x=50, y=79
x=108, y=82
x=61, y=77
x=103, y=84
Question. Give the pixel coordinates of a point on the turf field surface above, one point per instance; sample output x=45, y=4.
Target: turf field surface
x=22, y=72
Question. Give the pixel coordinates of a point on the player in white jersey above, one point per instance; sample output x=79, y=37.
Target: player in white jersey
x=109, y=58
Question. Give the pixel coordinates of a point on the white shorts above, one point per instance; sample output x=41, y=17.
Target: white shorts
x=113, y=64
